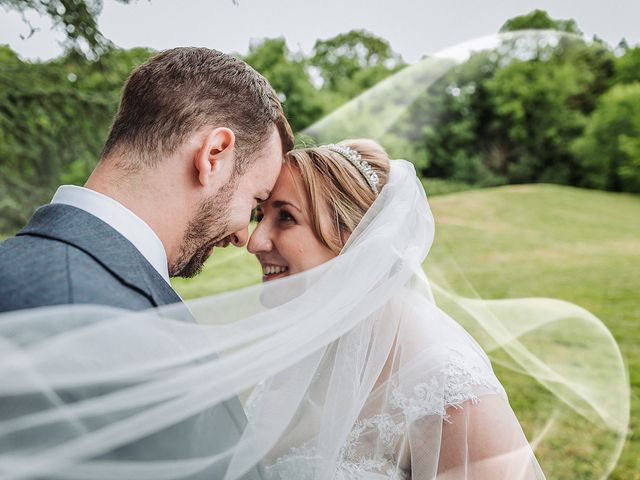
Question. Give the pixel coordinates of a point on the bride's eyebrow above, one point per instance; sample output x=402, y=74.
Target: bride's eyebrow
x=282, y=203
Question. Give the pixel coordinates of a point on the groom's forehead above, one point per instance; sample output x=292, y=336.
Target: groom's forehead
x=272, y=155
x=264, y=172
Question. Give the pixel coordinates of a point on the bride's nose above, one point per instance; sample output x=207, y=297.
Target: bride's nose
x=259, y=240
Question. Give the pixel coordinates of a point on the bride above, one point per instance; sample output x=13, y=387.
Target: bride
x=429, y=403
x=347, y=367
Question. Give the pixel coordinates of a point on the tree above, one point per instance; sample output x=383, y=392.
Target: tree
x=77, y=18
x=510, y=114
x=351, y=62
x=288, y=76
x=540, y=20
x=447, y=123
x=534, y=118
x=627, y=66
x=609, y=151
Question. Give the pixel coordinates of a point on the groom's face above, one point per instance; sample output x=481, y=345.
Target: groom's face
x=224, y=218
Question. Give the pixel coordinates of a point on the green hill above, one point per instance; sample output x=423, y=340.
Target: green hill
x=521, y=241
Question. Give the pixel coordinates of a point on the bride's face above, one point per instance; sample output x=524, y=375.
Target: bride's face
x=283, y=240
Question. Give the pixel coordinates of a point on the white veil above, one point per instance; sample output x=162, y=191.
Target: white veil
x=353, y=372
x=349, y=370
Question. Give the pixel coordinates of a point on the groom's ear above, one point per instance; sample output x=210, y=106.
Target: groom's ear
x=214, y=160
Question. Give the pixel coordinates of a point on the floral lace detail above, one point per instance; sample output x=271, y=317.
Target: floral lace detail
x=351, y=463
x=463, y=379
x=298, y=463
x=457, y=384
x=388, y=430
x=458, y=381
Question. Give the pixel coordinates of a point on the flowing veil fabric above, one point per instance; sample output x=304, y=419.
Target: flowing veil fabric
x=351, y=370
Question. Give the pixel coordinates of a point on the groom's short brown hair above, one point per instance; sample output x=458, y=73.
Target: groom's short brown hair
x=180, y=90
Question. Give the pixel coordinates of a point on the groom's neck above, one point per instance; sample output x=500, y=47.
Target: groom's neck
x=152, y=195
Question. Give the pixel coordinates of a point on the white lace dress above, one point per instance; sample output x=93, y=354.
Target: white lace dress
x=375, y=444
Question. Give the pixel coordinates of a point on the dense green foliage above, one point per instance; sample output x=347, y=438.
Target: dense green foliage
x=564, y=112
x=54, y=117
x=610, y=147
x=337, y=70
x=286, y=72
x=500, y=118
x=539, y=20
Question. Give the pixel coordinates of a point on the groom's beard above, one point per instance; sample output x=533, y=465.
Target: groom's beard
x=207, y=227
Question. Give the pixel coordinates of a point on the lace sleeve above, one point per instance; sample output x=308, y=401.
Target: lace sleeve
x=462, y=375
x=463, y=412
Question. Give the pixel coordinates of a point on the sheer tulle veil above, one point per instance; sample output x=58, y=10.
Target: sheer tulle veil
x=358, y=368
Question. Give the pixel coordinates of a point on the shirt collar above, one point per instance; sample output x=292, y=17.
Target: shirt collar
x=121, y=219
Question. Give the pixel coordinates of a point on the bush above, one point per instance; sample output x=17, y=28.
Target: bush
x=608, y=153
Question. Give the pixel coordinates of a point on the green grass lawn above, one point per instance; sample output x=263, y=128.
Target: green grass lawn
x=521, y=241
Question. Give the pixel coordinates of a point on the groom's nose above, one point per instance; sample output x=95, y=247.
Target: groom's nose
x=239, y=238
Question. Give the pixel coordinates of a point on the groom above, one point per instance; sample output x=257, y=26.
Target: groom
x=197, y=142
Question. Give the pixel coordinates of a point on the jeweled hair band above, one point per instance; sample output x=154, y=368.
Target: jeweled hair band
x=356, y=159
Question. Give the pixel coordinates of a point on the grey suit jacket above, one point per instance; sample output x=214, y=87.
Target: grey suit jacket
x=67, y=256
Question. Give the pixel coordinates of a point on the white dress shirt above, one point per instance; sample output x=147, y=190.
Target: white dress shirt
x=121, y=219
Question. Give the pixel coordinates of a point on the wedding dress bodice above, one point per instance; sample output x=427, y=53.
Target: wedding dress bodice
x=375, y=442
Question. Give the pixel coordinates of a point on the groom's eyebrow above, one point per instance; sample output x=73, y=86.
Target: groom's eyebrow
x=282, y=203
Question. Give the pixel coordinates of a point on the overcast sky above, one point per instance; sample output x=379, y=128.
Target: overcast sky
x=413, y=27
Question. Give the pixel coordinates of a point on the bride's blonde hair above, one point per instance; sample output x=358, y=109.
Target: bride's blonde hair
x=334, y=183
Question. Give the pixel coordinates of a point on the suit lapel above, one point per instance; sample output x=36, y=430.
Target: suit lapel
x=105, y=245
